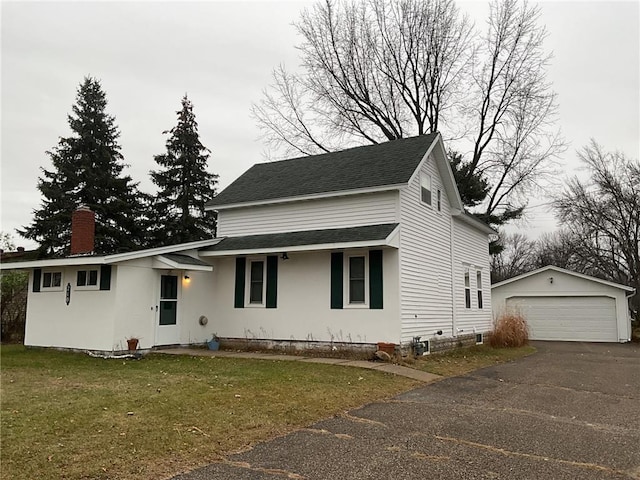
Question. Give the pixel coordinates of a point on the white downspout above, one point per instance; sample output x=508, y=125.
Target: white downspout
x=453, y=278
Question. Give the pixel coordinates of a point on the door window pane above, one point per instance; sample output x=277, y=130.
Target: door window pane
x=169, y=287
x=168, y=310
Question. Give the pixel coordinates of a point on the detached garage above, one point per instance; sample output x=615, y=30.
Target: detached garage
x=566, y=306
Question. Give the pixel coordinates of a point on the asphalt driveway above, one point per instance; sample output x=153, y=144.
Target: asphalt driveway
x=571, y=411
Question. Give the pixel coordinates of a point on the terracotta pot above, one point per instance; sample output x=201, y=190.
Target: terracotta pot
x=132, y=343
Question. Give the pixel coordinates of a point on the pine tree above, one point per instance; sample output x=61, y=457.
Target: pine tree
x=88, y=170
x=185, y=186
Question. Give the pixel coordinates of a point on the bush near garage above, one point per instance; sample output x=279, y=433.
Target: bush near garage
x=509, y=330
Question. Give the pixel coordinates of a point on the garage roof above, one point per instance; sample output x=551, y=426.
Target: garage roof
x=568, y=272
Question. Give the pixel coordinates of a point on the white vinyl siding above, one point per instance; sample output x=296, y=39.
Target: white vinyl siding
x=425, y=260
x=585, y=319
x=336, y=212
x=471, y=252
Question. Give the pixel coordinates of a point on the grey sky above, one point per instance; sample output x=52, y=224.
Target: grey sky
x=148, y=54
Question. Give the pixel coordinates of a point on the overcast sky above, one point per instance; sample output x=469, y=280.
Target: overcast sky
x=149, y=54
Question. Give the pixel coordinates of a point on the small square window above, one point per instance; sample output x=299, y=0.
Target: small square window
x=52, y=280
x=425, y=188
x=87, y=278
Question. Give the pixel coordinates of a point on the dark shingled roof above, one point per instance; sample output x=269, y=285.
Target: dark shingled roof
x=312, y=237
x=387, y=163
x=184, y=259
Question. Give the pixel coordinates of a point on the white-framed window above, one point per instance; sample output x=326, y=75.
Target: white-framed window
x=87, y=279
x=356, y=280
x=425, y=188
x=256, y=285
x=439, y=199
x=467, y=288
x=479, y=288
x=51, y=280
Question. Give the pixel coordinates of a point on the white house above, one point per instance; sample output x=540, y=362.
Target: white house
x=562, y=305
x=360, y=246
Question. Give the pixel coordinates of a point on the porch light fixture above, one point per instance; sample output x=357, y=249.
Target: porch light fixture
x=284, y=256
x=187, y=278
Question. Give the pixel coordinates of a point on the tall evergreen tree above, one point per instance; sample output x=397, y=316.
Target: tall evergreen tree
x=185, y=186
x=88, y=170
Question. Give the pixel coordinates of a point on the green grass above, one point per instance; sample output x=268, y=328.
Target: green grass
x=465, y=360
x=67, y=415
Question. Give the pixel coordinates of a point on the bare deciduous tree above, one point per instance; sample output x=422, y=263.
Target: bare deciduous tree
x=515, y=257
x=603, y=216
x=380, y=70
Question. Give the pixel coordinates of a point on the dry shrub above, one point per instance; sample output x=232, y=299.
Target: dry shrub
x=510, y=330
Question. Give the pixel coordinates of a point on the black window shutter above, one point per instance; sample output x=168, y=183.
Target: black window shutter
x=375, y=279
x=241, y=263
x=37, y=275
x=105, y=277
x=336, y=279
x=272, y=281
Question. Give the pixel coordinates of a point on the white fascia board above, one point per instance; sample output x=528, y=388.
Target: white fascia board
x=474, y=222
x=108, y=259
x=162, y=263
x=315, y=196
x=53, y=262
x=393, y=239
x=301, y=248
x=120, y=257
x=568, y=272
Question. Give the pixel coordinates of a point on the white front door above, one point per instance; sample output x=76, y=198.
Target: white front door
x=167, y=321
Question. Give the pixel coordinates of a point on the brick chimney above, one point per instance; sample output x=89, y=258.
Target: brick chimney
x=83, y=229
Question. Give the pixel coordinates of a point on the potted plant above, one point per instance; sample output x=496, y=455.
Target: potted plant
x=214, y=343
x=132, y=343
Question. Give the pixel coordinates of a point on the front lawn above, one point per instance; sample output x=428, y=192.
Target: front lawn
x=67, y=415
x=465, y=360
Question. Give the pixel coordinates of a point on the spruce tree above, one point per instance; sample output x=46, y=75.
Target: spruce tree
x=88, y=170
x=185, y=186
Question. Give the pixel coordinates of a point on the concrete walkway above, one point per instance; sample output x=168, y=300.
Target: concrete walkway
x=370, y=365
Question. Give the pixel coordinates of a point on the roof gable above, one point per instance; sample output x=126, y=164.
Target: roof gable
x=553, y=268
x=385, y=164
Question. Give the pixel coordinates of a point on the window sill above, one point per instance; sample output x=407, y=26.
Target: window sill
x=355, y=306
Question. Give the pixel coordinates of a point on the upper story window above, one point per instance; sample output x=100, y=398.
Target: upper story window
x=425, y=188
x=87, y=278
x=439, y=199
x=51, y=280
x=467, y=289
x=479, y=287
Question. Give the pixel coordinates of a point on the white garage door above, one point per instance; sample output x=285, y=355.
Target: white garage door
x=582, y=319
